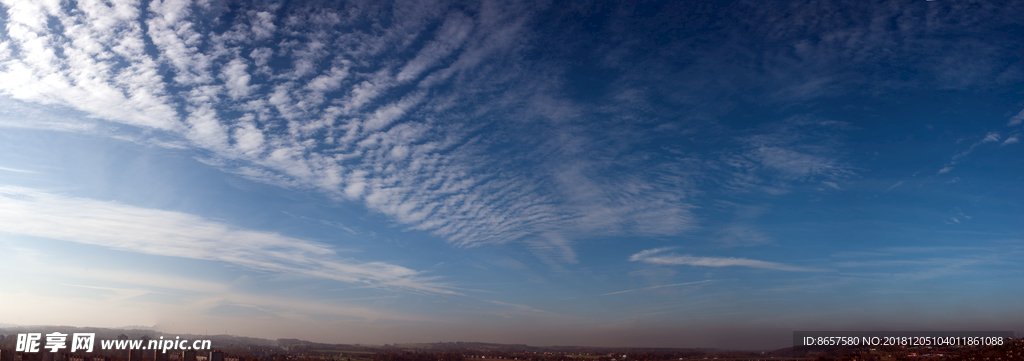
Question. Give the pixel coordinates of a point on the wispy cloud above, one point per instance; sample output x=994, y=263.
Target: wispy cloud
x=921, y=263
x=832, y=184
x=518, y=306
x=1016, y=119
x=656, y=287
x=16, y=170
x=780, y=155
x=654, y=256
x=897, y=184
x=990, y=137
x=294, y=113
x=195, y=302
x=173, y=234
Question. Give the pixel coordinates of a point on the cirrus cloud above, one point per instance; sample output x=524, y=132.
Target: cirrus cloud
x=174, y=234
x=656, y=257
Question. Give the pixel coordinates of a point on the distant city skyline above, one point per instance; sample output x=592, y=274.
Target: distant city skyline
x=664, y=174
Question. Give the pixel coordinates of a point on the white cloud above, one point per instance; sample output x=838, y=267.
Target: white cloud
x=385, y=115
x=945, y=170
x=832, y=184
x=237, y=79
x=653, y=256
x=991, y=137
x=329, y=81
x=646, y=253
x=366, y=91
x=263, y=25
x=85, y=73
x=1011, y=140
x=116, y=306
x=173, y=234
x=348, y=113
x=261, y=56
x=178, y=40
x=1016, y=119
x=248, y=138
x=205, y=128
x=451, y=35
x=897, y=184
x=792, y=163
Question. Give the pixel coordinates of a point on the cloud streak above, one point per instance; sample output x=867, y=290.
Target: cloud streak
x=655, y=256
x=173, y=234
x=657, y=287
x=16, y=170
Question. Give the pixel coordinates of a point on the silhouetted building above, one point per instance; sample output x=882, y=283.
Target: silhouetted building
x=216, y=356
x=188, y=356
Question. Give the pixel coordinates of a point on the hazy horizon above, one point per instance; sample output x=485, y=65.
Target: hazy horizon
x=661, y=174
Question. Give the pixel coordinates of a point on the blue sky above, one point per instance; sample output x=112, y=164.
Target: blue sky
x=688, y=174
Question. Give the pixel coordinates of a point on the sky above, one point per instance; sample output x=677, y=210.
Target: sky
x=670, y=174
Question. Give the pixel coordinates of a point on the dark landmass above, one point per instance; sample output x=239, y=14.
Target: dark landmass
x=239, y=348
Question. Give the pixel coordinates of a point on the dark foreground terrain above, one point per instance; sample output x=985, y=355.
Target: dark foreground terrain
x=235, y=348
